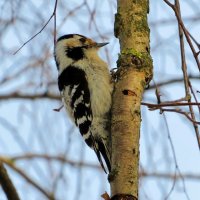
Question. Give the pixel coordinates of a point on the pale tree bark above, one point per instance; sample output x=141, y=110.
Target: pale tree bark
x=133, y=75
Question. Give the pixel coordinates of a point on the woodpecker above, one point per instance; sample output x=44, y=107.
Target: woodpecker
x=86, y=88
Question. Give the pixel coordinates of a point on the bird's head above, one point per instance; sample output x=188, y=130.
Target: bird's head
x=74, y=47
x=78, y=41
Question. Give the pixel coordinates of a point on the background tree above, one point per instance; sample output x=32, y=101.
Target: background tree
x=43, y=152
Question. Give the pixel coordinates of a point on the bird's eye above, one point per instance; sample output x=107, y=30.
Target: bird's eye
x=82, y=40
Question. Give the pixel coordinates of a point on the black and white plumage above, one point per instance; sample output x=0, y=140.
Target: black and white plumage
x=86, y=88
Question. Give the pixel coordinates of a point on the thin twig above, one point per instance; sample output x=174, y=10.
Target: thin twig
x=174, y=157
x=183, y=59
x=177, y=170
x=144, y=174
x=172, y=81
x=194, y=40
x=181, y=112
x=172, y=147
x=185, y=75
x=53, y=15
x=180, y=21
x=163, y=104
x=158, y=96
x=194, y=95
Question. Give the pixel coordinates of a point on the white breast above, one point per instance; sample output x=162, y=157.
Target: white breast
x=99, y=83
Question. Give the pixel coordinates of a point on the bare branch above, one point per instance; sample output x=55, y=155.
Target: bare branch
x=186, y=79
x=195, y=177
x=163, y=104
x=26, y=177
x=183, y=113
x=30, y=97
x=180, y=21
x=172, y=81
x=7, y=184
x=60, y=158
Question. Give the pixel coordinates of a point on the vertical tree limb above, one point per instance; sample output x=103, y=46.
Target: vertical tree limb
x=134, y=73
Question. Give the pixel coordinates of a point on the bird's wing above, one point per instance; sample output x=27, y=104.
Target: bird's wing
x=73, y=85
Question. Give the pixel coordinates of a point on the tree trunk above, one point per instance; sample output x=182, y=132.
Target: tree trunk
x=133, y=75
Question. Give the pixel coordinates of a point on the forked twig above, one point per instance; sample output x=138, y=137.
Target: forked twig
x=53, y=15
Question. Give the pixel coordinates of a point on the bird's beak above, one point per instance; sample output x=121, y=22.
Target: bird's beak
x=101, y=44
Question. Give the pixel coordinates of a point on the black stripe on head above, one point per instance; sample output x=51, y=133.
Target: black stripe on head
x=68, y=36
x=65, y=37
x=75, y=53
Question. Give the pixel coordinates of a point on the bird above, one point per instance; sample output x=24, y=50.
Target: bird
x=86, y=87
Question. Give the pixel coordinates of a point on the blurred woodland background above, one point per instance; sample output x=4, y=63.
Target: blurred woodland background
x=42, y=150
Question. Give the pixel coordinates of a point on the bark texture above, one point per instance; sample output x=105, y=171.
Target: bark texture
x=133, y=75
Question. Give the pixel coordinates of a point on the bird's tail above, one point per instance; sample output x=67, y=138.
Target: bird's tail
x=102, y=150
x=100, y=130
